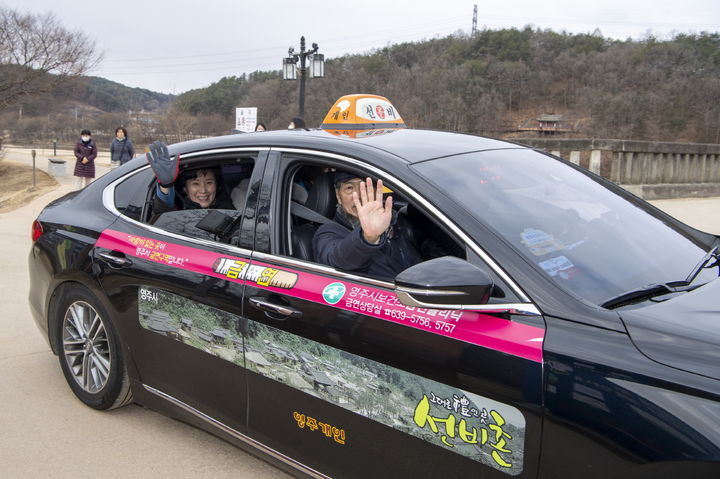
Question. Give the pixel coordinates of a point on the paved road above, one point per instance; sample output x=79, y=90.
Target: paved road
x=46, y=432
x=701, y=213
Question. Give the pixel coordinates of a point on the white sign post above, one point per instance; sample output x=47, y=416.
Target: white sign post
x=245, y=119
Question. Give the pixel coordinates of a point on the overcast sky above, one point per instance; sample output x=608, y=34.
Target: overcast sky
x=172, y=46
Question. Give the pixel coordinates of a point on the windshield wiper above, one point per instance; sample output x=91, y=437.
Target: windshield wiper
x=659, y=289
x=640, y=294
x=699, y=267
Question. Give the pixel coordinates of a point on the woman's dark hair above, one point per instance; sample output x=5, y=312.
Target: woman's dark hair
x=123, y=130
x=188, y=175
x=298, y=122
x=259, y=125
x=85, y=132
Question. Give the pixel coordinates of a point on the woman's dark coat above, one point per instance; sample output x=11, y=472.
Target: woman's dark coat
x=85, y=150
x=122, y=151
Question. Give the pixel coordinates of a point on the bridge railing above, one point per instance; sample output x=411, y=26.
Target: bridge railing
x=649, y=169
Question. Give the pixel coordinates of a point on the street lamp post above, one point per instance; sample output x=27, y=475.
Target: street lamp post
x=316, y=68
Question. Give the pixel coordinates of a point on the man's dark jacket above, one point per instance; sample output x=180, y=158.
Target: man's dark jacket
x=343, y=246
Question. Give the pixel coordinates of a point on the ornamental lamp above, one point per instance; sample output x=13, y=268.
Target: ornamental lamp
x=289, y=68
x=317, y=66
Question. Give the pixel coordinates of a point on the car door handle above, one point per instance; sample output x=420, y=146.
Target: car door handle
x=277, y=309
x=116, y=260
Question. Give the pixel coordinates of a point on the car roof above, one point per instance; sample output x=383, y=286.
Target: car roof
x=409, y=145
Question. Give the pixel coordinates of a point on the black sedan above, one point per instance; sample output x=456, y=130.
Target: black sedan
x=555, y=325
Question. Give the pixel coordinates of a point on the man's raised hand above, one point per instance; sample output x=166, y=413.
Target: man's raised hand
x=374, y=214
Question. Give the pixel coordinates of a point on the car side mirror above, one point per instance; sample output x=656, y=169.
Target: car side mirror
x=444, y=283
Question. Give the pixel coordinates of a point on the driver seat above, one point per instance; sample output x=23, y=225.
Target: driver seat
x=321, y=200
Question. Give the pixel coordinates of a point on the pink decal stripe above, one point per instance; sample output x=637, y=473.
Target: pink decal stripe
x=473, y=327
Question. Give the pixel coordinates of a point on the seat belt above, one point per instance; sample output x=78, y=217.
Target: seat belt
x=306, y=213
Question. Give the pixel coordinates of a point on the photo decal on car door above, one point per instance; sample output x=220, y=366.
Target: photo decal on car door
x=476, y=427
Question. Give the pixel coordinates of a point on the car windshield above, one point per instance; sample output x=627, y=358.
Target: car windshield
x=590, y=240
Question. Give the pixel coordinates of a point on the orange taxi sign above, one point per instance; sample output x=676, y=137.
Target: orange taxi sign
x=362, y=112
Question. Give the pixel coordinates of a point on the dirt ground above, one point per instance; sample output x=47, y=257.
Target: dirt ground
x=17, y=185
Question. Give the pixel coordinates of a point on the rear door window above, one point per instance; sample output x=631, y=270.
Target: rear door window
x=223, y=182
x=132, y=193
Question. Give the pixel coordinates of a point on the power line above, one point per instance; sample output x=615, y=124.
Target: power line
x=254, y=62
x=351, y=40
x=370, y=41
x=582, y=21
x=237, y=62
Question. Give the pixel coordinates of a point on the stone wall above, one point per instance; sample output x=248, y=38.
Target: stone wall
x=649, y=169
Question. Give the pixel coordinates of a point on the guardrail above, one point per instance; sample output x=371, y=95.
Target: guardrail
x=649, y=169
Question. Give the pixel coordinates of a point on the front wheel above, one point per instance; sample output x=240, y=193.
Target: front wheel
x=91, y=356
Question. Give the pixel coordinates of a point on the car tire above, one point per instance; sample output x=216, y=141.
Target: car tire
x=90, y=353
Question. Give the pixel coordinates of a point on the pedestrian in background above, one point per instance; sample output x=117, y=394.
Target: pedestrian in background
x=260, y=127
x=296, y=123
x=85, y=152
x=121, y=148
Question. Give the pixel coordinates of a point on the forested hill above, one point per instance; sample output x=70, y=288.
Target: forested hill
x=491, y=84
x=649, y=89
x=96, y=94
x=115, y=97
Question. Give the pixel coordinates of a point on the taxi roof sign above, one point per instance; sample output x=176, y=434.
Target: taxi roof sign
x=362, y=112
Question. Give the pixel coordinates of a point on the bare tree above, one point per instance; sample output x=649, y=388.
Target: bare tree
x=177, y=126
x=37, y=53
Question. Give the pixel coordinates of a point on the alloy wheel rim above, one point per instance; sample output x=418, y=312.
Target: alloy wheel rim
x=86, y=346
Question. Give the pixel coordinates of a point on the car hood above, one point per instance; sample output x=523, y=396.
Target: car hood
x=683, y=332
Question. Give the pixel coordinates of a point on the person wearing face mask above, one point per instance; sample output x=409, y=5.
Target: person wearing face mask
x=121, y=149
x=85, y=152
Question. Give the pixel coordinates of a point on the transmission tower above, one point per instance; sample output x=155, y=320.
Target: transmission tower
x=474, y=26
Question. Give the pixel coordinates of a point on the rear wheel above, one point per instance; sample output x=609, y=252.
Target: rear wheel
x=90, y=355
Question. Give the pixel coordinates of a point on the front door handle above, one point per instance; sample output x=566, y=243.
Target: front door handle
x=116, y=260
x=274, y=309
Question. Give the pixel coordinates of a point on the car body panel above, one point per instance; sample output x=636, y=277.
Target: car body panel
x=339, y=340
x=327, y=374
x=610, y=408
x=682, y=332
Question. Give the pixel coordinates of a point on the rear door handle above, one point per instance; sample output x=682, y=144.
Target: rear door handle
x=116, y=260
x=274, y=309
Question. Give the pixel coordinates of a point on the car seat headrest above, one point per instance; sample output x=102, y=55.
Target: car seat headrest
x=321, y=196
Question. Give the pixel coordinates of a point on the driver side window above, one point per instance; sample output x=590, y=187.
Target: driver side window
x=324, y=229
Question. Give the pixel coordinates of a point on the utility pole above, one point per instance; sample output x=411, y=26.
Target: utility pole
x=303, y=76
x=474, y=25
